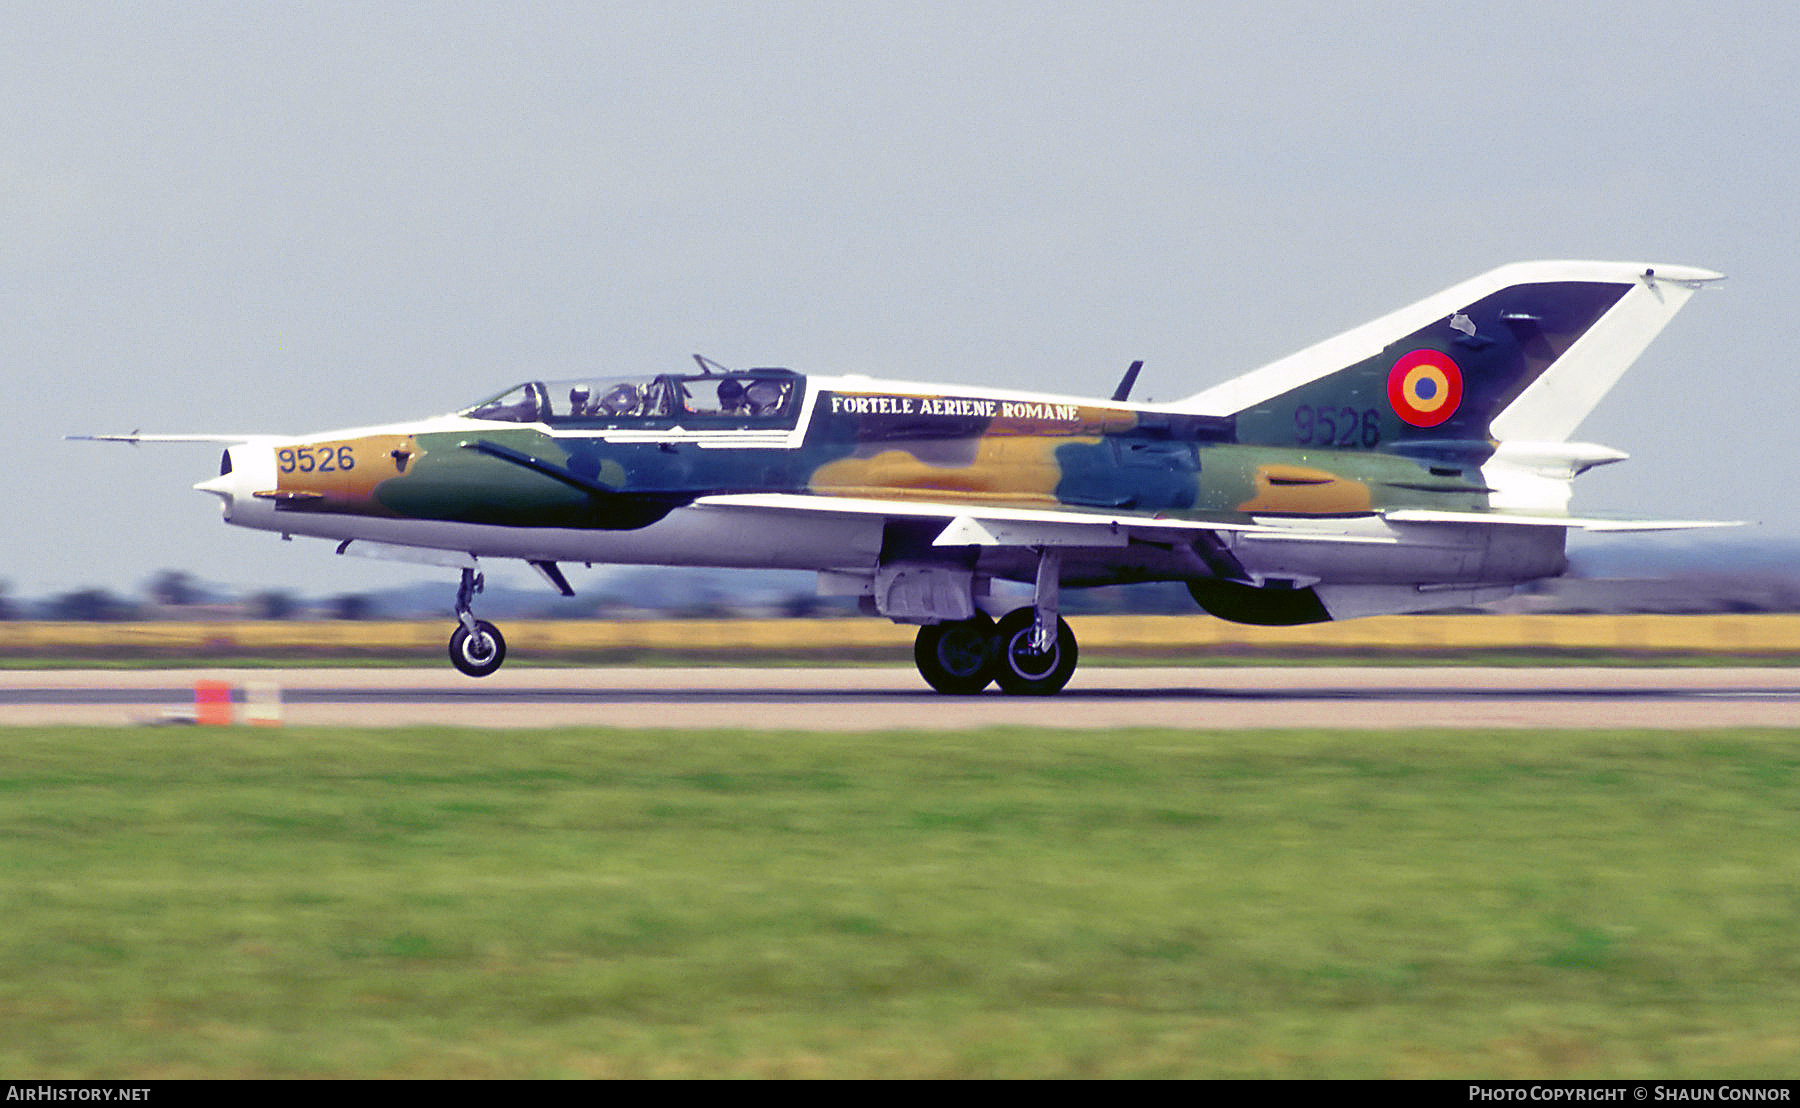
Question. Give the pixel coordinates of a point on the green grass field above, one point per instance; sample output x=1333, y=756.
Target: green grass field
x=1003, y=903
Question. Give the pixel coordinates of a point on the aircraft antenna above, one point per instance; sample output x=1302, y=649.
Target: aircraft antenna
x=1125, y=383
x=707, y=365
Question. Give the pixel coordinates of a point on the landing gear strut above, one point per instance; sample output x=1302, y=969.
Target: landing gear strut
x=476, y=647
x=1024, y=668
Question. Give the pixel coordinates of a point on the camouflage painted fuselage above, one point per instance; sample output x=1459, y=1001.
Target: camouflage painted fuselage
x=1418, y=461
x=626, y=492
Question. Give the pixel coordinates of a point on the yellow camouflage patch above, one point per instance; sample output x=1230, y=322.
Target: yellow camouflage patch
x=1005, y=469
x=1304, y=491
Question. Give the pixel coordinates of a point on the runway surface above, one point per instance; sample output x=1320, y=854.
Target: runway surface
x=880, y=698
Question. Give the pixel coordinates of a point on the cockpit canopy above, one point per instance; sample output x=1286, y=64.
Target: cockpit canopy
x=746, y=398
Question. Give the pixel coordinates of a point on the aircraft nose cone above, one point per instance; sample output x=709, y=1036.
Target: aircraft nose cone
x=227, y=488
x=238, y=473
x=223, y=486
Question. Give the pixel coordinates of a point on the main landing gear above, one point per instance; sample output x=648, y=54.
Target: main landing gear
x=957, y=658
x=963, y=657
x=476, y=647
x=1030, y=652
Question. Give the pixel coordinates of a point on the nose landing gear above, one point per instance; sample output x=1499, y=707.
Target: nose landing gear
x=476, y=647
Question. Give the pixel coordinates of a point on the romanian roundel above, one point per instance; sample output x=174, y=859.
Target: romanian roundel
x=1425, y=387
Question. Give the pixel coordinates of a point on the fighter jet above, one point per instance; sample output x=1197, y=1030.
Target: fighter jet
x=1417, y=462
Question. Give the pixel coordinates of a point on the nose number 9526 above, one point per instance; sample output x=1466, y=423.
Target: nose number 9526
x=315, y=459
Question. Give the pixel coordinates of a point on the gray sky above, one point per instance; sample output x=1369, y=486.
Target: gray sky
x=296, y=217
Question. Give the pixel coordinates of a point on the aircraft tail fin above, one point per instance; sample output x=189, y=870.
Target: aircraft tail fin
x=1521, y=352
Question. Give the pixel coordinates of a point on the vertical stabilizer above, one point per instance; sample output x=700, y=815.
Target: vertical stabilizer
x=1521, y=352
x=1552, y=406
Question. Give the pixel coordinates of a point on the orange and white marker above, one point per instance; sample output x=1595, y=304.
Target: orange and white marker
x=212, y=703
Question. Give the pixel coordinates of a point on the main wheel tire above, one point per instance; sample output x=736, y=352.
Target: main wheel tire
x=479, y=654
x=956, y=658
x=1023, y=670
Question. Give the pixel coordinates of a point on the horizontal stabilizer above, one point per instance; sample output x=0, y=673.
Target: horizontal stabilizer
x=1579, y=523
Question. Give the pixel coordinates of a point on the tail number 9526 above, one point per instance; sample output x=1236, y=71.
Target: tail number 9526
x=315, y=459
x=1333, y=426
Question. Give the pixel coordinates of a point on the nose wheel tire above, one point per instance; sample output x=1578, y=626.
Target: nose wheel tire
x=1023, y=670
x=956, y=658
x=477, y=654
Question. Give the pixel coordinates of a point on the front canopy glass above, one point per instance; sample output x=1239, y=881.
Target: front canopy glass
x=747, y=398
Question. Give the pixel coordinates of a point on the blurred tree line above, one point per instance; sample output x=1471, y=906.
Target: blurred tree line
x=700, y=593
x=176, y=594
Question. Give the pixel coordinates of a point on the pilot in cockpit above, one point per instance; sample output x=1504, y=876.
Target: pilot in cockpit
x=731, y=397
x=765, y=397
x=531, y=406
x=622, y=399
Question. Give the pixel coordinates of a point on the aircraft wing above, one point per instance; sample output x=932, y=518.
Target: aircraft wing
x=994, y=525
